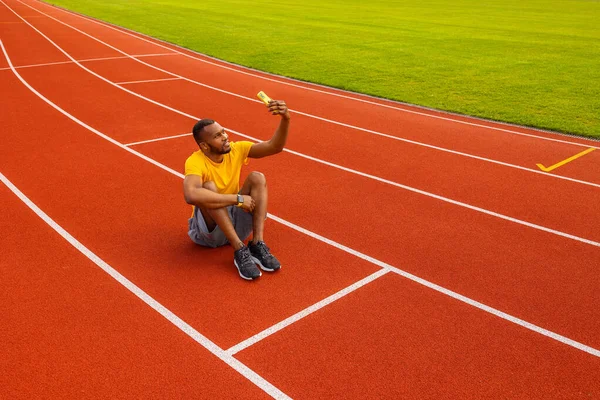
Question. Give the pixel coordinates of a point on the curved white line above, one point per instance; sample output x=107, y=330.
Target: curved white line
x=188, y=134
x=147, y=80
x=323, y=239
x=149, y=300
x=84, y=60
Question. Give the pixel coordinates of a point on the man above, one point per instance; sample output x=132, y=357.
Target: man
x=224, y=213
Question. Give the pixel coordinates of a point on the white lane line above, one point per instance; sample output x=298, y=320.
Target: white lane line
x=189, y=134
x=112, y=58
x=150, y=301
x=169, y=46
x=376, y=178
x=535, y=171
x=455, y=202
x=39, y=65
x=125, y=57
x=113, y=141
x=155, y=54
x=148, y=81
x=440, y=289
x=88, y=59
x=565, y=178
x=307, y=311
x=323, y=239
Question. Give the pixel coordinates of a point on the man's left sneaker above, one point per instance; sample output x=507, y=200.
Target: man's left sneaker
x=263, y=257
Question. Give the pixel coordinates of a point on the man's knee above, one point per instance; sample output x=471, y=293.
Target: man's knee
x=257, y=178
x=210, y=185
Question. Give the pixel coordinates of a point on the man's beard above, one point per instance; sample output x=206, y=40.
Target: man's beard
x=216, y=150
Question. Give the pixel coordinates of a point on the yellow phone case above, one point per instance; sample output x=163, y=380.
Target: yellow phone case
x=263, y=96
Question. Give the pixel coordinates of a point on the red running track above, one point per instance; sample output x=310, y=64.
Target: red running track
x=389, y=338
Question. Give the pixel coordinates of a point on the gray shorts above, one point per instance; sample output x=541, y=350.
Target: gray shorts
x=198, y=232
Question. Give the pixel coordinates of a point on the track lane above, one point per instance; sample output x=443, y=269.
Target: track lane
x=125, y=70
x=12, y=29
x=71, y=331
x=102, y=104
x=405, y=341
x=110, y=36
x=69, y=41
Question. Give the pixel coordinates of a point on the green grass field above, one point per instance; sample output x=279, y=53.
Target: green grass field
x=534, y=63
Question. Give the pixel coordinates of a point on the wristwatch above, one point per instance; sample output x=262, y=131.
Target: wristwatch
x=240, y=200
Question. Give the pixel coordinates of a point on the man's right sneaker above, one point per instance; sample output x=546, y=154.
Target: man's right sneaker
x=245, y=264
x=263, y=257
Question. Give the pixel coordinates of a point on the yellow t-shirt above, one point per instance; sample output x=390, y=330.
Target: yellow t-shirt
x=225, y=175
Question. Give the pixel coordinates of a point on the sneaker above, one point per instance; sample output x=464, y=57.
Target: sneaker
x=245, y=265
x=261, y=255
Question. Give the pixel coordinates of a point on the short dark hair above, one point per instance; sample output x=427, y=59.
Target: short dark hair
x=199, y=127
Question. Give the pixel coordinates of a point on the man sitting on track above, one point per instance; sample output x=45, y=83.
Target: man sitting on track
x=224, y=213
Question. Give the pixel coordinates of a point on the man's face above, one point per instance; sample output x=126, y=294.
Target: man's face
x=216, y=139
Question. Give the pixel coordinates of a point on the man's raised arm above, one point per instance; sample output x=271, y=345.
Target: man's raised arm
x=277, y=142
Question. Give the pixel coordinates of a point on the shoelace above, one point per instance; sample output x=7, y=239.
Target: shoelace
x=263, y=249
x=245, y=254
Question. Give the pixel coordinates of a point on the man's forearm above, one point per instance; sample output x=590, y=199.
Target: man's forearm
x=280, y=136
x=208, y=199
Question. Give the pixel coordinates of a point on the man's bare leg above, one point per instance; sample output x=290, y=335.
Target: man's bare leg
x=220, y=217
x=255, y=185
x=242, y=257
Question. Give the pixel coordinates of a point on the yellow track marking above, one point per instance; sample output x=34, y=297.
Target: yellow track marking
x=560, y=164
